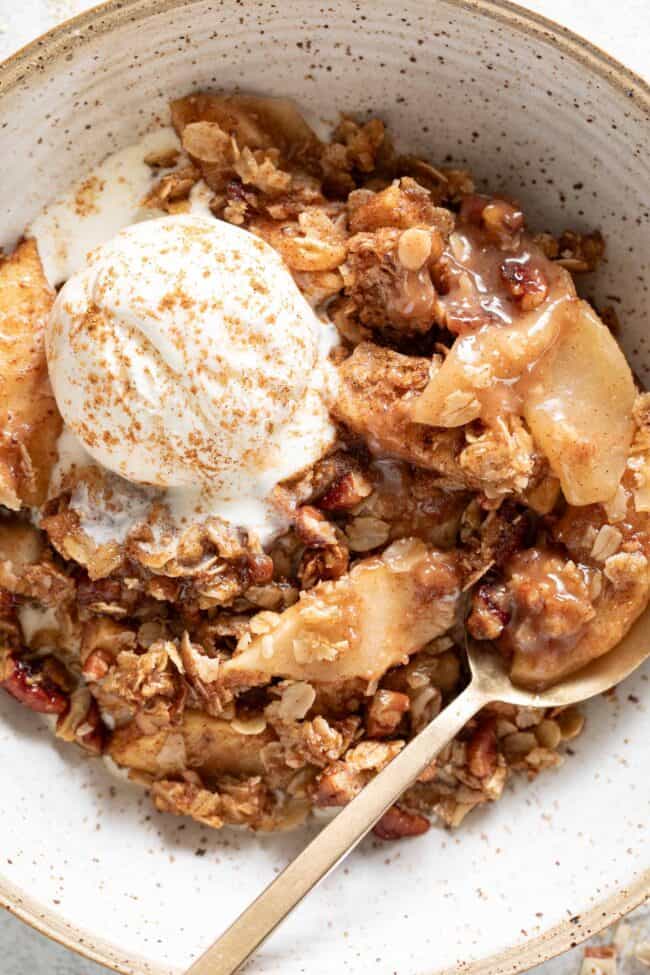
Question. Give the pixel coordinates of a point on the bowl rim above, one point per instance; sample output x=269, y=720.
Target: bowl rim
x=73, y=33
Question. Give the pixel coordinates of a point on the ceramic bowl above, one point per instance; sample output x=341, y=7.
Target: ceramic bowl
x=533, y=110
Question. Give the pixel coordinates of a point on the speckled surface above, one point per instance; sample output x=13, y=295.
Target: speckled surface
x=623, y=35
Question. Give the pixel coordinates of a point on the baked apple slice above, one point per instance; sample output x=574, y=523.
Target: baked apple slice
x=480, y=377
x=579, y=408
x=211, y=745
x=29, y=420
x=386, y=608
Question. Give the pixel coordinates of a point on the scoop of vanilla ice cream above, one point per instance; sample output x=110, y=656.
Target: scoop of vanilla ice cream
x=184, y=354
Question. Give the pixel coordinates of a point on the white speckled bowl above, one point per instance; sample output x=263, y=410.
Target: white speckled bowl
x=534, y=110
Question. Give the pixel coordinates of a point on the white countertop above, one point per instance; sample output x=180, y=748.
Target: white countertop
x=621, y=29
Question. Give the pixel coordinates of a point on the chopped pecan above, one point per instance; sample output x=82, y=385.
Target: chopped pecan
x=27, y=682
x=337, y=786
x=490, y=612
x=260, y=569
x=341, y=781
x=325, y=473
x=482, y=750
x=492, y=540
x=526, y=283
x=397, y=823
x=347, y=492
x=502, y=220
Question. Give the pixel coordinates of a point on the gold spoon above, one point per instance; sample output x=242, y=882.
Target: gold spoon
x=490, y=682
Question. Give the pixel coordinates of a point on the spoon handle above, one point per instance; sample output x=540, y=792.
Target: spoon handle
x=335, y=841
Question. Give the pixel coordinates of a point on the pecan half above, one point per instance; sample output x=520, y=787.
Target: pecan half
x=490, y=612
x=482, y=750
x=32, y=687
x=397, y=823
x=347, y=492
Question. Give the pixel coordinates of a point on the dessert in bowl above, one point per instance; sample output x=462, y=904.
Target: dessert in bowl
x=296, y=439
x=273, y=509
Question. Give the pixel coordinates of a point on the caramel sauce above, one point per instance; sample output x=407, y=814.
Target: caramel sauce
x=476, y=293
x=501, y=339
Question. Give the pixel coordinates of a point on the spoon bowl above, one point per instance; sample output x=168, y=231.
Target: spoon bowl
x=489, y=682
x=490, y=675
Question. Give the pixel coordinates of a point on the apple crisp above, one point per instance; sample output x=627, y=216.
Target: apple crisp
x=489, y=476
